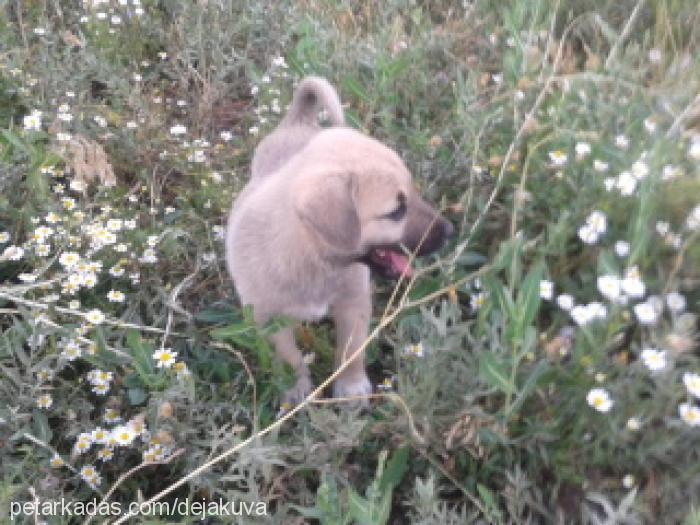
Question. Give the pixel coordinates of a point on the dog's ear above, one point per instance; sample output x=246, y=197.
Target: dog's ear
x=329, y=210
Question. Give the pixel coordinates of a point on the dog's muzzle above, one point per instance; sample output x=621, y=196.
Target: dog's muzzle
x=426, y=232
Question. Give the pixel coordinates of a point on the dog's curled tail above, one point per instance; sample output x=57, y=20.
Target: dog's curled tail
x=312, y=95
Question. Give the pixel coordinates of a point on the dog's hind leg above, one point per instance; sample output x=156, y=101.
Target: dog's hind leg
x=351, y=313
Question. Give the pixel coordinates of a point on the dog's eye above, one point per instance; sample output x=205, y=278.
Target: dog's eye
x=398, y=213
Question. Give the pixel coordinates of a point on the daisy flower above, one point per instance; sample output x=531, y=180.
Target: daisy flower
x=12, y=253
x=546, y=290
x=565, y=301
x=386, y=385
x=653, y=359
x=600, y=166
x=100, y=389
x=83, y=443
x=581, y=314
x=640, y=169
x=69, y=260
x=692, y=383
x=44, y=401
x=181, y=369
x=178, y=129
x=609, y=286
x=115, y=296
x=650, y=124
x=32, y=122
x=416, y=350
x=123, y=435
x=599, y=399
x=71, y=351
x=95, y=317
x=149, y=256
x=44, y=375
x=112, y=416
x=622, y=142
x=114, y=225
x=56, y=461
x=558, y=158
x=633, y=424
x=632, y=284
x=477, y=300
x=52, y=218
x=116, y=270
x=105, y=454
x=622, y=248
x=694, y=150
x=99, y=435
x=137, y=425
x=690, y=414
x=646, y=313
x=164, y=357
x=675, y=302
x=626, y=183
x=90, y=475
x=582, y=149
x=598, y=221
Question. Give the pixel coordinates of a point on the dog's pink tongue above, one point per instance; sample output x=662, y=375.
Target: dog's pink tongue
x=400, y=263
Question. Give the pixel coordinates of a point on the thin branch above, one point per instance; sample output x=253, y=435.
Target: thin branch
x=612, y=56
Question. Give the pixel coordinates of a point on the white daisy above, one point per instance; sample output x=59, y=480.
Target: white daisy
x=95, y=317
x=599, y=399
x=546, y=290
x=653, y=359
x=646, y=313
x=565, y=301
x=610, y=287
x=690, y=414
x=164, y=357
x=692, y=383
x=675, y=302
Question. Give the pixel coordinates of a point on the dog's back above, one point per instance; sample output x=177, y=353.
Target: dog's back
x=298, y=126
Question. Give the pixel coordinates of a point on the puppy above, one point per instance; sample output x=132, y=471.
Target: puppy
x=322, y=206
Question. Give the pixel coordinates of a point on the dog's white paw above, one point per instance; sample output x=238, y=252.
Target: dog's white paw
x=298, y=392
x=353, y=386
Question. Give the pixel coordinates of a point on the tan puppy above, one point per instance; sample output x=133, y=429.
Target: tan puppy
x=321, y=206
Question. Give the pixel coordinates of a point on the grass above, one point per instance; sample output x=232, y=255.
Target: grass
x=541, y=369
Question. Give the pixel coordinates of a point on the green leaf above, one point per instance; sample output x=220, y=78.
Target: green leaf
x=507, y=251
x=145, y=367
x=500, y=296
x=354, y=87
x=489, y=501
x=137, y=396
x=607, y=264
x=494, y=372
x=214, y=315
x=530, y=383
x=528, y=300
x=16, y=142
x=40, y=426
x=369, y=512
x=239, y=333
x=395, y=469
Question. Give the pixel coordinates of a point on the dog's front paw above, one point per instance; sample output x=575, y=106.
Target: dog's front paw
x=298, y=392
x=353, y=386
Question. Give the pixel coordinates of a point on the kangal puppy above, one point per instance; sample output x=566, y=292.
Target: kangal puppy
x=322, y=206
